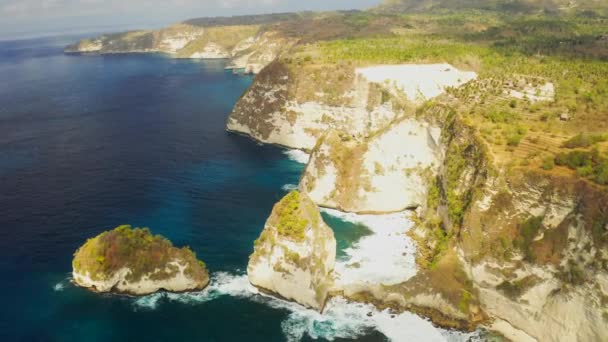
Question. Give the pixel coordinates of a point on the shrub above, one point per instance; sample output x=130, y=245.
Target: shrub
x=589, y=164
x=291, y=222
x=463, y=305
x=585, y=140
x=573, y=275
x=434, y=195
x=501, y=116
x=548, y=163
x=515, y=289
x=528, y=230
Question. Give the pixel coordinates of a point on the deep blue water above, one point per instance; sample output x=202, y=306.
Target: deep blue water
x=88, y=143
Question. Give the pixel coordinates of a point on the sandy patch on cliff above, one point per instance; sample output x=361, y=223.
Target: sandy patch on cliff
x=419, y=82
x=385, y=257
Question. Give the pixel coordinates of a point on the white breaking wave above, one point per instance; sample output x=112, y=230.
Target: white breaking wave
x=60, y=286
x=387, y=256
x=289, y=187
x=341, y=318
x=297, y=156
x=222, y=283
x=349, y=320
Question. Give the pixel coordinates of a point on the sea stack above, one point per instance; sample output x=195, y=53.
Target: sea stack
x=295, y=255
x=135, y=262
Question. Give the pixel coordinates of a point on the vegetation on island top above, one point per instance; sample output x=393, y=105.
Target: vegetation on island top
x=292, y=217
x=137, y=249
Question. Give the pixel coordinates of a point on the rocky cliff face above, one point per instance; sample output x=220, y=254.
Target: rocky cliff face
x=133, y=261
x=387, y=172
x=295, y=254
x=532, y=242
x=536, y=249
x=248, y=47
x=293, y=103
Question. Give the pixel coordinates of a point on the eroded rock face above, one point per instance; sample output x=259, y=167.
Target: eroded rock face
x=295, y=255
x=387, y=172
x=542, y=265
x=133, y=261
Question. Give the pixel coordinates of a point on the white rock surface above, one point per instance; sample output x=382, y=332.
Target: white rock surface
x=386, y=173
x=211, y=51
x=299, y=124
x=545, y=92
x=180, y=282
x=419, y=82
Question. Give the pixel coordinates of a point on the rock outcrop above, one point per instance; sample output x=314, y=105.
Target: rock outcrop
x=133, y=261
x=295, y=254
x=387, y=172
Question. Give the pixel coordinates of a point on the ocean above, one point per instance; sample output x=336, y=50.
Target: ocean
x=88, y=143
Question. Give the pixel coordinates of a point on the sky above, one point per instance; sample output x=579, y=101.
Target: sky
x=20, y=18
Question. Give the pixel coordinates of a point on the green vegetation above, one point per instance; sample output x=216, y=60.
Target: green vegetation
x=502, y=116
x=514, y=289
x=515, y=135
x=464, y=155
x=442, y=241
x=588, y=164
x=584, y=140
x=548, y=164
x=292, y=222
x=463, y=305
x=573, y=274
x=260, y=19
x=136, y=249
x=433, y=198
x=527, y=232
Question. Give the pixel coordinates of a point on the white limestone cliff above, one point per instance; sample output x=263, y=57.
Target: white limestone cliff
x=119, y=281
x=388, y=172
x=296, y=107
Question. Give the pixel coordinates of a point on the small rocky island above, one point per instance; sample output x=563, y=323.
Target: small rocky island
x=295, y=255
x=133, y=261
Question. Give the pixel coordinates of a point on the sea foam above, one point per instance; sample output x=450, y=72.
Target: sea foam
x=222, y=284
x=289, y=187
x=297, y=156
x=341, y=319
x=387, y=256
x=59, y=286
